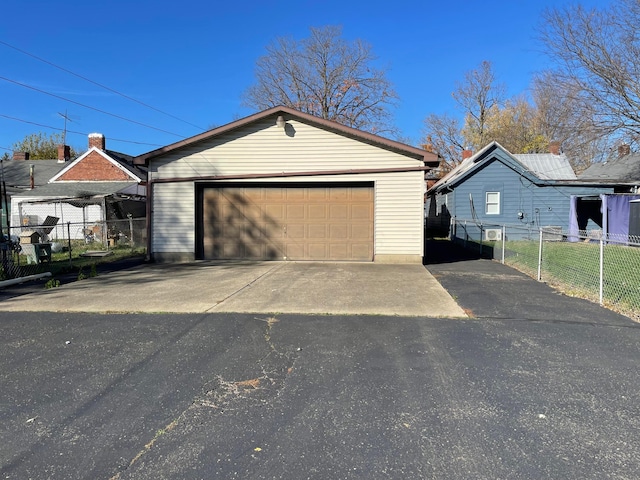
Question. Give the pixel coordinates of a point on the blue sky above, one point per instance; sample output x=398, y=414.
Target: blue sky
x=193, y=59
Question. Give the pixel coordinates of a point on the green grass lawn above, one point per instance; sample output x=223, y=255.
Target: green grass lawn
x=62, y=262
x=575, y=267
x=75, y=263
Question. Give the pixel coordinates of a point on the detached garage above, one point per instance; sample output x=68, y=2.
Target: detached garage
x=284, y=185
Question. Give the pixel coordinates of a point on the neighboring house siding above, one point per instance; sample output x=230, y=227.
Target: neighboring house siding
x=262, y=147
x=72, y=220
x=541, y=205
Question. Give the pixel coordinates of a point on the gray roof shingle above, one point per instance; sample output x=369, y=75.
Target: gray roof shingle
x=623, y=170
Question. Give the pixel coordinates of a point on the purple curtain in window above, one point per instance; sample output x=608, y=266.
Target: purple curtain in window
x=574, y=230
x=616, y=208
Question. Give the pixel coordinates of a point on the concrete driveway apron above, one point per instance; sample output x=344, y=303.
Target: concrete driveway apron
x=254, y=287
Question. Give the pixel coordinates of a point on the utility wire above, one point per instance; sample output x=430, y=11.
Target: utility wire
x=73, y=131
x=89, y=107
x=99, y=85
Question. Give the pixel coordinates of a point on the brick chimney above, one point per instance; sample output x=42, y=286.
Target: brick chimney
x=554, y=148
x=21, y=155
x=624, y=150
x=64, y=153
x=97, y=140
x=467, y=154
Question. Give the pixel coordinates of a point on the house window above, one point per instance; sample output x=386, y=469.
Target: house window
x=492, y=204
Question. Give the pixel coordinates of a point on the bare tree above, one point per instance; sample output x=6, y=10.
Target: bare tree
x=443, y=136
x=597, y=53
x=476, y=96
x=326, y=76
x=562, y=116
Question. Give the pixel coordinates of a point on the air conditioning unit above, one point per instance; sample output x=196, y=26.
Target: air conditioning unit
x=493, y=234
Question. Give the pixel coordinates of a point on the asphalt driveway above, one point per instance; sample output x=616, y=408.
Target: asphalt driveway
x=249, y=396
x=256, y=287
x=533, y=384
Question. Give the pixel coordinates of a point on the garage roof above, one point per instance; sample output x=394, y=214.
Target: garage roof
x=430, y=159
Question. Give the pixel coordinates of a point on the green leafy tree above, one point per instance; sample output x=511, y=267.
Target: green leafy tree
x=41, y=146
x=515, y=126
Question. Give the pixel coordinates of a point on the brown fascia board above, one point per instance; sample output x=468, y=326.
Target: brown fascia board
x=429, y=159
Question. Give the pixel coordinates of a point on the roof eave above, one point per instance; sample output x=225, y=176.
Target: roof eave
x=430, y=159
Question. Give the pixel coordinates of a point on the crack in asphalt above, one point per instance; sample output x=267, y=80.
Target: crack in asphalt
x=220, y=395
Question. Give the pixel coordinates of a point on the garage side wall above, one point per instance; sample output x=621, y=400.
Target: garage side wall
x=264, y=148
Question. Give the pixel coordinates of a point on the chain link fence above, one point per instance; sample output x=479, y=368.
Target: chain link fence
x=590, y=264
x=31, y=249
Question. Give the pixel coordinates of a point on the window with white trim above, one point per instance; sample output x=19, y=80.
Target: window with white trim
x=492, y=203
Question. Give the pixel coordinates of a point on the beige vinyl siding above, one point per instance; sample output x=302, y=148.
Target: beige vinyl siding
x=265, y=148
x=173, y=218
x=399, y=213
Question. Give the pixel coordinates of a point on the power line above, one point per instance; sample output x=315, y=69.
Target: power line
x=99, y=85
x=88, y=106
x=73, y=131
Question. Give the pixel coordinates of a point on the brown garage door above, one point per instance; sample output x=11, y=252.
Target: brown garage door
x=288, y=223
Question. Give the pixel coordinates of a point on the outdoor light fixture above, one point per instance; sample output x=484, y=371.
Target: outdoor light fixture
x=280, y=123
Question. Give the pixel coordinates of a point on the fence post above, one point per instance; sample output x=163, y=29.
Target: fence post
x=504, y=236
x=602, y=269
x=131, y=242
x=540, y=257
x=69, y=243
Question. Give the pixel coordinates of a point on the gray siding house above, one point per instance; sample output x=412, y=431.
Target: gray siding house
x=495, y=187
x=285, y=185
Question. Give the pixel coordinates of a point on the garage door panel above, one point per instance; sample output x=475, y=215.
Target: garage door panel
x=295, y=195
x=361, y=233
x=296, y=231
x=339, y=251
x=318, y=194
x=338, y=212
x=295, y=212
x=361, y=212
x=338, y=232
x=316, y=231
x=274, y=212
x=361, y=251
x=340, y=194
x=318, y=213
x=361, y=195
x=275, y=194
x=296, y=223
x=253, y=195
x=319, y=251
